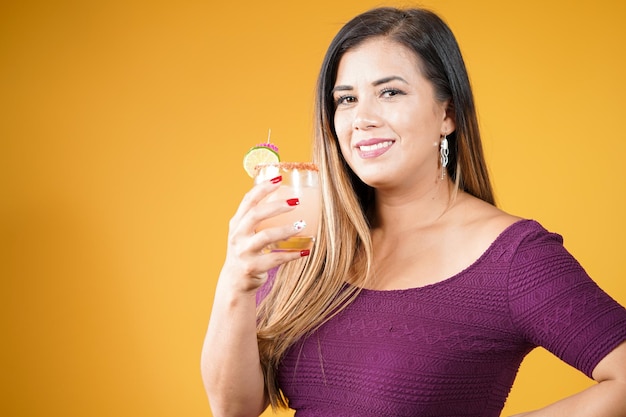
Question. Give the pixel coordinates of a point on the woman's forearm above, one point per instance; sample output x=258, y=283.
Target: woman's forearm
x=605, y=399
x=231, y=369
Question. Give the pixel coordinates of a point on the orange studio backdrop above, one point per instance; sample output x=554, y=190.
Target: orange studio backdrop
x=122, y=128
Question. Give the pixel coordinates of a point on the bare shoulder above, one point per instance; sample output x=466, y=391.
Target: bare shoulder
x=479, y=223
x=478, y=213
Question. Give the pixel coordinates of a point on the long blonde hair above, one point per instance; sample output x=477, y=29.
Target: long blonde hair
x=308, y=292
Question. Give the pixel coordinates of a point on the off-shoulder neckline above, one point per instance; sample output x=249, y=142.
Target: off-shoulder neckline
x=510, y=229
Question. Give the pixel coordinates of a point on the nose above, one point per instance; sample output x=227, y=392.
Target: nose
x=366, y=117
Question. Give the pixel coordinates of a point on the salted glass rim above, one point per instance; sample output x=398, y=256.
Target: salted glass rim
x=287, y=166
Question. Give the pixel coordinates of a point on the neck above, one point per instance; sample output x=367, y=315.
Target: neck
x=417, y=208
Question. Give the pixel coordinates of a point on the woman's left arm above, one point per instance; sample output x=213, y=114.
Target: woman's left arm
x=605, y=399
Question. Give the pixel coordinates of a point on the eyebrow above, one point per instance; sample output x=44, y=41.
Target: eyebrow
x=375, y=83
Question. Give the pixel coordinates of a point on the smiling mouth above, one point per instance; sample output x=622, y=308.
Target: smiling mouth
x=380, y=145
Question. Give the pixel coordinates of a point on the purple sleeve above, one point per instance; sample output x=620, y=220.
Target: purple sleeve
x=557, y=306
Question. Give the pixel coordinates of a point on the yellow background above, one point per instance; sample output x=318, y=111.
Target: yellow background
x=122, y=128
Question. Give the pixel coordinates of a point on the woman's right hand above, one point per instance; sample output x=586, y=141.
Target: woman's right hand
x=247, y=263
x=231, y=366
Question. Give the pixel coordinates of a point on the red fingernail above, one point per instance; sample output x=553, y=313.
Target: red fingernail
x=293, y=201
x=305, y=252
x=276, y=180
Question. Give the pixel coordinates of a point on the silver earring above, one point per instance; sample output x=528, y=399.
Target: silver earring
x=443, y=151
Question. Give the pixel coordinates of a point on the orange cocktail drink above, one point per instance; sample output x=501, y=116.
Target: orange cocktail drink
x=299, y=180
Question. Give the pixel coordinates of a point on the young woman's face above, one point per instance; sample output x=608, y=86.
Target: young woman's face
x=387, y=119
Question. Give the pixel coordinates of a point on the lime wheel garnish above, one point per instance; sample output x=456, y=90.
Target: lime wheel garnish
x=263, y=153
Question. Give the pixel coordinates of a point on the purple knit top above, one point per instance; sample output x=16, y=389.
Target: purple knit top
x=453, y=348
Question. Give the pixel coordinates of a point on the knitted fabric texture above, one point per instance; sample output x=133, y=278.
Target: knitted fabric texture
x=453, y=348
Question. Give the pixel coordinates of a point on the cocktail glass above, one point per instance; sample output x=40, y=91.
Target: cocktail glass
x=299, y=180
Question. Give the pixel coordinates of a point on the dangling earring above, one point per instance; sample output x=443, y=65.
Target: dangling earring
x=443, y=151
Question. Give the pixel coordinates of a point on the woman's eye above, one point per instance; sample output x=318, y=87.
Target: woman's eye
x=345, y=99
x=390, y=92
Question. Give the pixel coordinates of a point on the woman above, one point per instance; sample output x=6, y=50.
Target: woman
x=421, y=298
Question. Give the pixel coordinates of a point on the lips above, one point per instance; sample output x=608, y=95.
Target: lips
x=373, y=148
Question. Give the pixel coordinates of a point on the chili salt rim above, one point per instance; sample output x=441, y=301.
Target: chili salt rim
x=307, y=166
